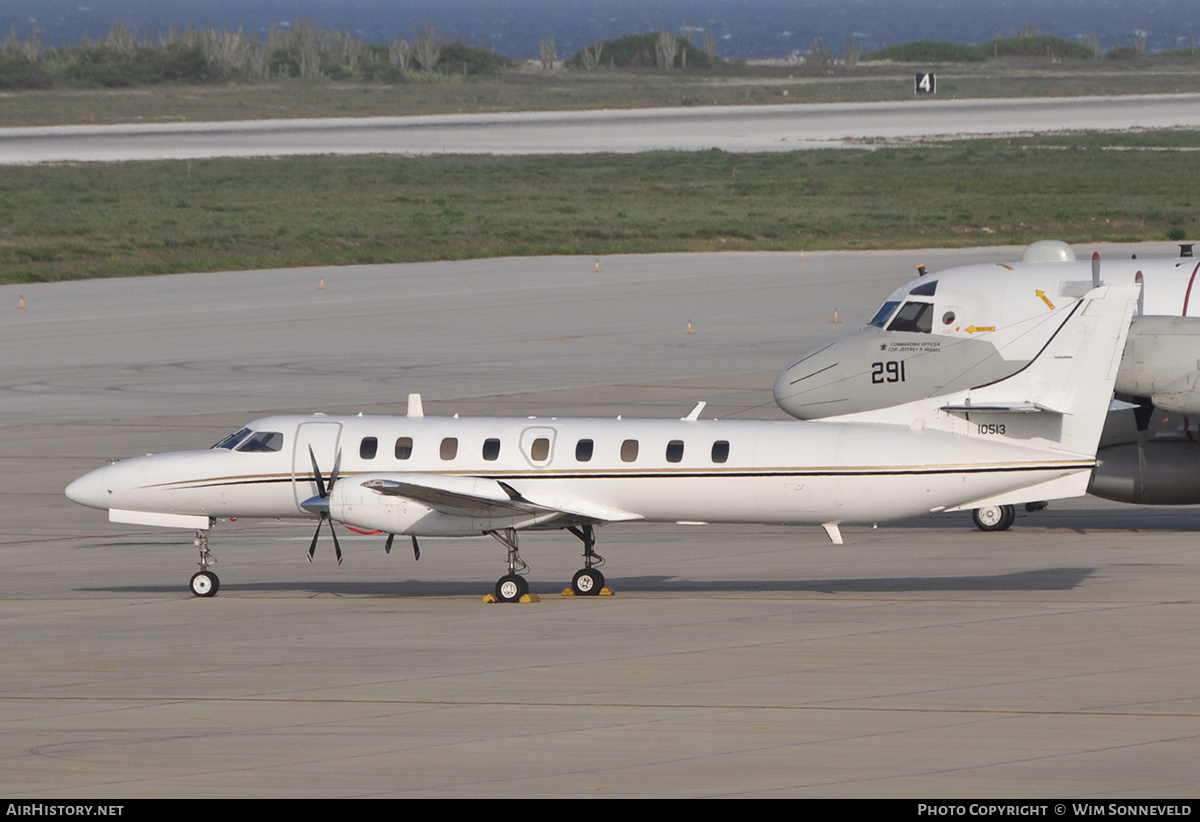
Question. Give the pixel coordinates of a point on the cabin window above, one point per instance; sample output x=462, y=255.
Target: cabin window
x=403, y=448
x=539, y=451
x=720, y=451
x=914, y=317
x=583, y=450
x=884, y=313
x=674, y=450
x=449, y=449
x=232, y=440
x=263, y=441
x=629, y=450
x=368, y=447
x=491, y=449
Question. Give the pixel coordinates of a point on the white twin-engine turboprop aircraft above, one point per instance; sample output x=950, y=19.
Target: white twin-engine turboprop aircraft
x=1031, y=436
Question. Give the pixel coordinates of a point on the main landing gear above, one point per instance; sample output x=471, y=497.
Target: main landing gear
x=587, y=582
x=511, y=587
x=204, y=582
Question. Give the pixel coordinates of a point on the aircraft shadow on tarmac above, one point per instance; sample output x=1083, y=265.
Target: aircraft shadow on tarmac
x=1043, y=579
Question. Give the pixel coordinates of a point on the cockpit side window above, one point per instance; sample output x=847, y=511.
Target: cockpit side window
x=925, y=289
x=914, y=317
x=884, y=313
x=263, y=441
x=232, y=440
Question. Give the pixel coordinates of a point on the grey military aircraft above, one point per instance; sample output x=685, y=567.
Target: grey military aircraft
x=970, y=326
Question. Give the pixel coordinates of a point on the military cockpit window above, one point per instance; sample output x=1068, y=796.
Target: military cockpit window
x=925, y=289
x=368, y=447
x=263, y=441
x=232, y=440
x=884, y=312
x=403, y=448
x=914, y=317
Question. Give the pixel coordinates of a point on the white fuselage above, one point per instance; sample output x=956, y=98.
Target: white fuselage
x=585, y=470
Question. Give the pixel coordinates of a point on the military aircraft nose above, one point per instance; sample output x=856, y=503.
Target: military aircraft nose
x=812, y=387
x=90, y=489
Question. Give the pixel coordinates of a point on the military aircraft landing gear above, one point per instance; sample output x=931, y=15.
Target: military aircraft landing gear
x=994, y=517
x=587, y=582
x=511, y=587
x=204, y=582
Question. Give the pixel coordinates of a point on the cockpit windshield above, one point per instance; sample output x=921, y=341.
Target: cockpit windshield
x=914, y=316
x=884, y=313
x=249, y=441
x=232, y=440
x=263, y=441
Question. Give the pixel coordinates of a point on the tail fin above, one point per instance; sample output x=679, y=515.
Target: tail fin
x=1057, y=402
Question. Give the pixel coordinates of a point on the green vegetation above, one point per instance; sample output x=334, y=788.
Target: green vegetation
x=60, y=222
x=206, y=55
x=1036, y=46
x=653, y=50
x=928, y=51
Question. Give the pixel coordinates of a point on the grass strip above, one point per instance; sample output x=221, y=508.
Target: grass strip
x=102, y=220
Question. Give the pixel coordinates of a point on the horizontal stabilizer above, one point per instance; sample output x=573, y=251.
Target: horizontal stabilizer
x=1000, y=407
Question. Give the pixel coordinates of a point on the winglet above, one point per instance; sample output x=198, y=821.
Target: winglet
x=415, y=408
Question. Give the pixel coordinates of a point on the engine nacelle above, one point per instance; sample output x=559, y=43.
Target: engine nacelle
x=1170, y=476
x=353, y=503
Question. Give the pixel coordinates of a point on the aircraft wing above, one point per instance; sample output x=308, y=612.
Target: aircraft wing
x=483, y=497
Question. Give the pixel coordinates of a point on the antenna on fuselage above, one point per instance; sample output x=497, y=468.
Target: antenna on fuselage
x=415, y=409
x=1095, y=269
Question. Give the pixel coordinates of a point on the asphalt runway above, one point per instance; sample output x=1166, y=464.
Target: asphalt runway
x=731, y=128
x=921, y=659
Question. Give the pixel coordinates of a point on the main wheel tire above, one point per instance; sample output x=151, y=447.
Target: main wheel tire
x=994, y=517
x=204, y=584
x=587, y=583
x=510, y=588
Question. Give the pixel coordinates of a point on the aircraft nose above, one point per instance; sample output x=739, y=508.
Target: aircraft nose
x=812, y=387
x=90, y=489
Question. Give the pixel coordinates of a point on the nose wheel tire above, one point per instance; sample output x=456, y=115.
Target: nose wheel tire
x=510, y=588
x=587, y=583
x=994, y=517
x=205, y=584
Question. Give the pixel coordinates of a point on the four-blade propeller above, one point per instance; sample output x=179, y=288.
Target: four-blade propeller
x=321, y=507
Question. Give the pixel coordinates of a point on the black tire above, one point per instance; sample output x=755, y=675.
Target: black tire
x=587, y=583
x=510, y=588
x=994, y=518
x=204, y=584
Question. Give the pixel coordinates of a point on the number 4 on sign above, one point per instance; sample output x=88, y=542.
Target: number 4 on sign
x=925, y=83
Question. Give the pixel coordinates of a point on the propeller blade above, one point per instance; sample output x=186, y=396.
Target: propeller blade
x=387, y=546
x=312, y=548
x=337, y=549
x=416, y=548
x=317, y=474
x=337, y=461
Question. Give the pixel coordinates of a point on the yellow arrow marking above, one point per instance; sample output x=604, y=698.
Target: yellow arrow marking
x=1045, y=299
x=971, y=329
